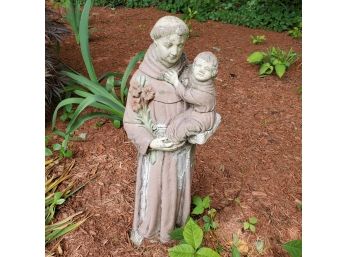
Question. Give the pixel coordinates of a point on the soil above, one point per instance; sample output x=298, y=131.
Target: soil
x=254, y=157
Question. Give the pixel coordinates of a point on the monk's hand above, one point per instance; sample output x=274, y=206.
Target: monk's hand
x=171, y=77
x=160, y=143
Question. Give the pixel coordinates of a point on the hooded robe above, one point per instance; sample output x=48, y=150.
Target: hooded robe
x=163, y=188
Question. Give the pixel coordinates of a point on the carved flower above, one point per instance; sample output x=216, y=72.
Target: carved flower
x=135, y=91
x=136, y=106
x=147, y=93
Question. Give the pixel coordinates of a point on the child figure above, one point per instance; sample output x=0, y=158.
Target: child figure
x=199, y=92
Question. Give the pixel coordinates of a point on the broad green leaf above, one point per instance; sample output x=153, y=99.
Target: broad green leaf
x=198, y=210
x=256, y=57
x=56, y=147
x=48, y=152
x=193, y=234
x=110, y=85
x=253, y=220
x=235, y=252
x=116, y=123
x=246, y=225
x=183, y=250
x=98, y=105
x=139, y=56
x=206, y=252
x=206, y=218
x=197, y=200
x=294, y=248
x=252, y=228
x=177, y=234
x=206, y=202
x=266, y=68
x=84, y=40
x=280, y=70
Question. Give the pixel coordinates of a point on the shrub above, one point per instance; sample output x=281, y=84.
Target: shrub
x=268, y=14
x=275, y=59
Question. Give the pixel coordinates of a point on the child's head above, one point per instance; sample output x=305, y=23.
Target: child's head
x=205, y=66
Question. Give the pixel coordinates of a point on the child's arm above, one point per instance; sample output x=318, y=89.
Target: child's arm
x=189, y=95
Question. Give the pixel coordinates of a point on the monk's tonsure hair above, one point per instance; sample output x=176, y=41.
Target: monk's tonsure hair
x=169, y=25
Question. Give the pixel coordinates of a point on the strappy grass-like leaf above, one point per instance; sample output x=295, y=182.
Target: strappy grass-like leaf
x=128, y=71
x=84, y=37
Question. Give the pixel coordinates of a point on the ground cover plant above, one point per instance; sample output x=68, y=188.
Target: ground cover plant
x=270, y=14
x=90, y=92
x=258, y=39
x=55, y=195
x=254, y=157
x=275, y=59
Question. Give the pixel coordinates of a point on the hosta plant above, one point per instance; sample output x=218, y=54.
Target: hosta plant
x=258, y=39
x=274, y=59
x=91, y=92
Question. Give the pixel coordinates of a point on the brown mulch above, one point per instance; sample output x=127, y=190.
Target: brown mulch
x=255, y=156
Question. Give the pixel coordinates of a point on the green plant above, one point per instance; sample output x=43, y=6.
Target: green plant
x=73, y=16
x=200, y=204
x=234, y=248
x=193, y=236
x=296, y=32
x=250, y=224
x=90, y=92
x=268, y=14
x=258, y=39
x=209, y=222
x=53, y=198
x=294, y=248
x=275, y=59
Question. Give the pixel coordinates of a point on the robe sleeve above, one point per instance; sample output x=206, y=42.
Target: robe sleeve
x=138, y=135
x=189, y=95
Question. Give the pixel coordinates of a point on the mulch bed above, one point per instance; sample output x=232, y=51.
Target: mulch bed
x=255, y=155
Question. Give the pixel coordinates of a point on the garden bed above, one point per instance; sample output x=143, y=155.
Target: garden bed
x=254, y=158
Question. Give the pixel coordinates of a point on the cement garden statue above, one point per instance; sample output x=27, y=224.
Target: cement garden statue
x=170, y=108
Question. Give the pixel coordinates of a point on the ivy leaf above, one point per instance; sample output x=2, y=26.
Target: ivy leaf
x=246, y=225
x=183, y=250
x=252, y=228
x=206, y=202
x=206, y=218
x=56, y=147
x=48, y=151
x=177, y=234
x=193, y=234
x=206, y=252
x=280, y=69
x=294, y=248
x=253, y=220
x=197, y=201
x=198, y=210
x=235, y=252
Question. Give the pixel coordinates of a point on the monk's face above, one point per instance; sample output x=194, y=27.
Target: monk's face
x=202, y=70
x=169, y=49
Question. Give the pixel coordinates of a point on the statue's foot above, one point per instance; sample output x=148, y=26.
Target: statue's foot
x=136, y=238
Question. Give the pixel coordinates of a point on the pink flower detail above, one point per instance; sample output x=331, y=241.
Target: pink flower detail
x=147, y=93
x=135, y=91
x=136, y=106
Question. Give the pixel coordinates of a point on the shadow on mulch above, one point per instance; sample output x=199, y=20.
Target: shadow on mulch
x=255, y=154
